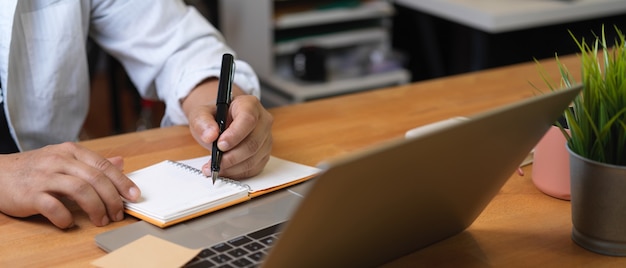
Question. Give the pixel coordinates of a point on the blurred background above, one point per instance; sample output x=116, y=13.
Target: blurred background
x=305, y=50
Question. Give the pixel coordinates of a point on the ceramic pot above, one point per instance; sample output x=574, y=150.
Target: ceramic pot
x=550, y=169
x=598, y=205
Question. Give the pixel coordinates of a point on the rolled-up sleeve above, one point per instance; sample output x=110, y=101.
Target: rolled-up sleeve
x=166, y=47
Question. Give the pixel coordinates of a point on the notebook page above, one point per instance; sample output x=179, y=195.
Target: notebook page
x=169, y=191
x=276, y=172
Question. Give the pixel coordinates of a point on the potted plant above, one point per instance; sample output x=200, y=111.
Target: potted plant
x=596, y=142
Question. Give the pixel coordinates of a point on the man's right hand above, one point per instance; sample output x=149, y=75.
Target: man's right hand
x=34, y=182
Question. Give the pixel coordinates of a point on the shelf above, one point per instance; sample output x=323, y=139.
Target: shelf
x=335, y=40
x=375, y=9
x=271, y=98
x=267, y=33
x=298, y=91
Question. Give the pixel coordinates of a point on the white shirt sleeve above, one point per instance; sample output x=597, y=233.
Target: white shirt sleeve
x=166, y=47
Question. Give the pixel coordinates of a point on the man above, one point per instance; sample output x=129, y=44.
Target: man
x=170, y=52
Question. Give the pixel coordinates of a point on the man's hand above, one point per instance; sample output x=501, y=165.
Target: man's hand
x=33, y=182
x=246, y=142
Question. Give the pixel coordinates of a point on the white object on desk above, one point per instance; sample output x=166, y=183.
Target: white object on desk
x=419, y=131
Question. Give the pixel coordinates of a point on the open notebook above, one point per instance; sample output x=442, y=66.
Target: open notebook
x=175, y=191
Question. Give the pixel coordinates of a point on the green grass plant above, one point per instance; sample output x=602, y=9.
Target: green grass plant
x=597, y=119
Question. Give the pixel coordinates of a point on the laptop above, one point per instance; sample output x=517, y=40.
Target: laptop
x=375, y=205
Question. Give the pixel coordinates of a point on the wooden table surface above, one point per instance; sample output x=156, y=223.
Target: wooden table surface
x=520, y=227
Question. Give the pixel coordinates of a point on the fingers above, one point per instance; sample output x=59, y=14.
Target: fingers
x=45, y=201
x=246, y=114
x=79, y=191
x=100, y=185
x=54, y=210
x=94, y=192
x=100, y=171
x=247, y=141
x=117, y=161
x=250, y=122
x=203, y=126
x=33, y=183
x=236, y=165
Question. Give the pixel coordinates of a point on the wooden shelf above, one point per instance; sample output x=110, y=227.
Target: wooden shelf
x=264, y=33
x=302, y=91
x=367, y=10
x=335, y=40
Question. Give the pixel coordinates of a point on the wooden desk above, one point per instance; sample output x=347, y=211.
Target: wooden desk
x=521, y=227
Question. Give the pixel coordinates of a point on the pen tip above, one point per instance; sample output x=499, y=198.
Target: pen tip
x=214, y=176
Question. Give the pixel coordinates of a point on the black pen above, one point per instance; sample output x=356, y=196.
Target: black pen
x=224, y=92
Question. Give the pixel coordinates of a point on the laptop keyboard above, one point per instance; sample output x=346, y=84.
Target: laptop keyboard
x=243, y=251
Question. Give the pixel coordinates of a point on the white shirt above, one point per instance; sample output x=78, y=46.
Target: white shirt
x=166, y=47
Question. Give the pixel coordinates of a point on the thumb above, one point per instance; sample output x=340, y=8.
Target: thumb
x=203, y=126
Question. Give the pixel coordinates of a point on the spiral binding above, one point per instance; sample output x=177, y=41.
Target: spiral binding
x=238, y=183
x=186, y=167
x=199, y=172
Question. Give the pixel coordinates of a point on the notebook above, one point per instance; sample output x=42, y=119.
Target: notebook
x=175, y=191
x=375, y=205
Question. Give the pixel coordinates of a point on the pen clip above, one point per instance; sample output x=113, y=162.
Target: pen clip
x=227, y=75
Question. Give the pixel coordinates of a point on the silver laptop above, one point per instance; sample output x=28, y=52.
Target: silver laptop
x=376, y=205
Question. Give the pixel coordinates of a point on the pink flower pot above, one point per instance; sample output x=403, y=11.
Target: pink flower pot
x=550, y=170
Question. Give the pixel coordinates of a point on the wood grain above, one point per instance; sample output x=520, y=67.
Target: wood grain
x=520, y=227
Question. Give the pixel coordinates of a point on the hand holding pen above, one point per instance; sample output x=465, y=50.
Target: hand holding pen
x=245, y=138
x=224, y=95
